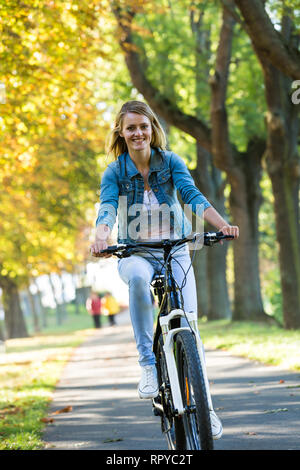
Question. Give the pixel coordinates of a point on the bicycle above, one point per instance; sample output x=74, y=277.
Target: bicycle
x=184, y=401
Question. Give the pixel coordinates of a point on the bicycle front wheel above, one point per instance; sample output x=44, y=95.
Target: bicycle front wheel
x=196, y=419
x=172, y=426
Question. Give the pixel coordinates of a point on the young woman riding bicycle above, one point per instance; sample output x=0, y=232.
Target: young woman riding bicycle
x=143, y=179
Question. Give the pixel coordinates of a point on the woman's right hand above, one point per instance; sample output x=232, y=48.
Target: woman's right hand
x=97, y=246
x=101, y=237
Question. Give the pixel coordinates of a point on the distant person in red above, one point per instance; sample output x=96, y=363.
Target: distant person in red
x=93, y=306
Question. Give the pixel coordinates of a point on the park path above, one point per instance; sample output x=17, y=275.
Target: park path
x=259, y=405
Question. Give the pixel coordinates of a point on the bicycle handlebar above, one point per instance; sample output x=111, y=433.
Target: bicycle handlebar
x=209, y=239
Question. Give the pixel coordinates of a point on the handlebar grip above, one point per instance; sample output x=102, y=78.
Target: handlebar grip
x=228, y=236
x=221, y=235
x=210, y=238
x=109, y=249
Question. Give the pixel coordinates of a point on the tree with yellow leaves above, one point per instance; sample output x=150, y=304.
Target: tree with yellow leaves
x=50, y=140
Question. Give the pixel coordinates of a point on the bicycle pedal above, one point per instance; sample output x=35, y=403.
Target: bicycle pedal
x=157, y=412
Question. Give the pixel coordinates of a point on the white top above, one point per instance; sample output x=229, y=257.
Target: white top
x=150, y=200
x=154, y=222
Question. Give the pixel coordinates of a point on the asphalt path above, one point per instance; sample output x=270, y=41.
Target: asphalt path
x=96, y=407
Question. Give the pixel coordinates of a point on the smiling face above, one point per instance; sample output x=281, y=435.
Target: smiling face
x=137, y=132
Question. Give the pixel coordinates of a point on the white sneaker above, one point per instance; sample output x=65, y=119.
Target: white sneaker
x=148, y=386
x=216, y=425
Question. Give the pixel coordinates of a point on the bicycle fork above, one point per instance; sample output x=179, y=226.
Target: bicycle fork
x=168, y=340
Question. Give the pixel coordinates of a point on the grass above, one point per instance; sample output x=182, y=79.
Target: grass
x=29, y=371
x=31, y=367
x=257, y=341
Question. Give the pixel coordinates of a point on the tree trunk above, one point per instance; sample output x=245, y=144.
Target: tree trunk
x=284, y=172
x=243, y=172
x=41, y=307
x=1, y=334
x=64, y=302
x=208, y=180
x=14, y=321
x=245, y=200
x=36, y=323
x=74, y=281
x=59, y=313
x=219, y=306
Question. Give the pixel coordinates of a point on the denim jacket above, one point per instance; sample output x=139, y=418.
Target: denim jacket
x=122, y=189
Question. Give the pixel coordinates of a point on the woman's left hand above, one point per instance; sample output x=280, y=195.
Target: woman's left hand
x=230, y=230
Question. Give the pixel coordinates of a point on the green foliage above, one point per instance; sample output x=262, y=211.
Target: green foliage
x=178, y=43
x=245, y=97
x=277, y=8
x=170, y=50
x=184, y=145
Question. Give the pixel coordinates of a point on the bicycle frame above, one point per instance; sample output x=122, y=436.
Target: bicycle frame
x=169, y=301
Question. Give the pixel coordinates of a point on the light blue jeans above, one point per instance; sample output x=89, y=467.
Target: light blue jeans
x=137, y=272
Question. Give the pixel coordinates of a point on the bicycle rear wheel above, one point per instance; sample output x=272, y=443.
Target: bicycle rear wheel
x=196, y=420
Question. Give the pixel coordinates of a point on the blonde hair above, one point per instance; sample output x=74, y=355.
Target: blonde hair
x=117, y=145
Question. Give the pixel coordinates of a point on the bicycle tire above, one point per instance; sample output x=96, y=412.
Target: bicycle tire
x=176, y=435
x=197, y=423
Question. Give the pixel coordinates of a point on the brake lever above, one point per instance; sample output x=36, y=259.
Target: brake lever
x=211, y=241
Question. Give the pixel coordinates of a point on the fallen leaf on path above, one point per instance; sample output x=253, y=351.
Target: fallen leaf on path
x=47, y=420
x=63, y=410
